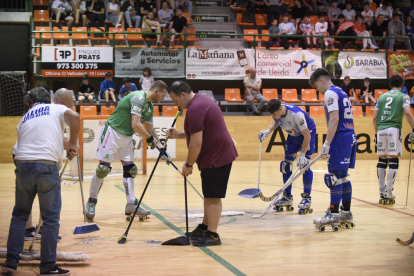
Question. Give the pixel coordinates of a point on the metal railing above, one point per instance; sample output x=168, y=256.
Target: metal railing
x=14, y=5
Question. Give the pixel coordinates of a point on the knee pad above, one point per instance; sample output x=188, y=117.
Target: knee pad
x=130, y=170
x=330, y=180
x=335, y=178
x=394, y=163
x=103, y=170
x=286, y=166
x=382, y=163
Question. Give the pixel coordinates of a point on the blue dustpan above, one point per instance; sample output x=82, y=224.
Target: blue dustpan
x=250, y=193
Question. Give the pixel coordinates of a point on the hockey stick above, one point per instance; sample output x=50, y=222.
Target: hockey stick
x=253, y=192
x=287, y=184
x=123, y=238
x=405, y=243
x=409, y=171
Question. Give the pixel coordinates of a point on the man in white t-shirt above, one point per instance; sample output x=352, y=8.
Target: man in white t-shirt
x=39, y=151
x=61, y=9
x=253, y=84
x=349, y=13
x=321, y=28
x=367, y=14
x=385, y=10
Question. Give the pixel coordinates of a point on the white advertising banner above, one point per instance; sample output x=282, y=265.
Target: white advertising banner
x=77, y=54
x=359, y=65
x=287, y=64
x=161, y=125
x=218, y=64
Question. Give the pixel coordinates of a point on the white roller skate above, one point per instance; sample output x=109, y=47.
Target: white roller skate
x=387, y=199
x=90, y=209
x=141, y=213
x=328, y=219
x=347, y=219
x=286, y=200
x=305, y=204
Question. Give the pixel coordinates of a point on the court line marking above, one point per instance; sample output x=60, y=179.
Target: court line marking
x=206, y=250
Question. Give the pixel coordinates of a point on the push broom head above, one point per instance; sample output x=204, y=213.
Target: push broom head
x=123, y=239
x=86, y=228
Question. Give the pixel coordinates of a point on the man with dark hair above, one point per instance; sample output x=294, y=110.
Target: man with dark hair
x=178, y=24
x=301, y=131
x=86, y=91
x=379, y=29
x=385, y=10
x=339, y=148
x=396, y=28
x=388, y=116
x=38, y=160
x=211, y=147
x=127, y=88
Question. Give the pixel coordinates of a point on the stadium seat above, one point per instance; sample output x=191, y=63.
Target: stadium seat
x=412, y=92
x=302, y=107
x=373, y=7
x=316, y=111
x=188, y=17
x=270, y=94
x=88, y=110
x=134, y=37
x=102, y=45
x=94, y=37
x=309, y=96
x=357, y=92
x=63, y=45
x=265, y=38
x=250, y=38
x=314, y=19
x=232, y=95
x=139, y=46
x=107, y=110
x=195, y=46
x=290, y=96
x=121, y=46
x=45, y=36
x=169, y=110
x=357, y=111
x=41, y=16
x=369, y=111
x=82, y=36
x=379, y=92
x=190, y=38
x=261, y=20
x=321, y=97
x=83, y=45
x=240, y=23
x=156, y=111
x=40, y=3
x=38, y=49
x=118, y=37
x=61, y=35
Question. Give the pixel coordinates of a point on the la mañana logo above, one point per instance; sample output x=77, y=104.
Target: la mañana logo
x=205, y=54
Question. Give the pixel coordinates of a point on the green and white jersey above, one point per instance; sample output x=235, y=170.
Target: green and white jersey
x=391, y=109
x=134, y=103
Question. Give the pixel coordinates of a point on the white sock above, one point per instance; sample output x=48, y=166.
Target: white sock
x=381, y=173
x=129, y=189
x=392, y=174
x=96, y=185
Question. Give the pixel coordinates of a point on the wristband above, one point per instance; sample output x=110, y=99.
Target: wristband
x=301, y=154
x=188, y=165
x=327, y=142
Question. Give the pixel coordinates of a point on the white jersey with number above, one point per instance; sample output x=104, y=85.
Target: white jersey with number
x=294, y=122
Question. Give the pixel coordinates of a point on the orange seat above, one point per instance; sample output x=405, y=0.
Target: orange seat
x=121, y=46
x=190, y=38
x=107, y=110
x=83, y=36
x=103, y=45
x=357, y=111
x=195, y=47
x=412, y=92
x=74, y=108
x=88, y=110
x=41, y=16
x=44, y=35
x=134, y=37
x=379, y=92
x=370, y=111
x=302, y=107
x=232, y=95
x=83, y=45
x=309, y=96
x=316, y=111
x=240, y=23
x=251, y=38
x=314, y=19
x=270, y=94
x=38, y=49
x=156, y=111
x=40, y=3
x=321, y=97
x=63, y=45
x=61, y=33
x=373, y=7
x=261, y=20
x=94, y=29
x=290, y=96
x=139, y=46
x=265, y=38
x=118, y=37
x=188, y=17
x=357, y=92
x=169, y=110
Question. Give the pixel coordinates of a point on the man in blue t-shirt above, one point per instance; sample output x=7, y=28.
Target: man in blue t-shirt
x=127, y=88
x=108, y=88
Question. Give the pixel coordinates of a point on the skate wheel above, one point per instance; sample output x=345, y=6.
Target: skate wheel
x=141, y=219
x=310, y=211
x=322, y=228
x=347, y=226
x=279, y=209
x=291, y=208
x=392, y=202
x=305, y=211
x=128, y=218
x=352, y=224
x=300, y=212
x=380, y=201
x=335, y=228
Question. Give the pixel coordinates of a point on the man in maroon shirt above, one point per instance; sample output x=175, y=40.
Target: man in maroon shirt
x=211, y=147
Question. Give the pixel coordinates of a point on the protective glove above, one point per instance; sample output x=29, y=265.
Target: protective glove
x=325, y=150
x=263, y=134
x=151, y=142
x=166, y=157
x=302, y=161
x=411, y=136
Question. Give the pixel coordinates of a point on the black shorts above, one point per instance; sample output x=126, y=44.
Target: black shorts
x=63, y=16
x=152, y=36
x=214, y=181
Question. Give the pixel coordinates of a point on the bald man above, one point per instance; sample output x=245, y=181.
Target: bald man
x=64, y=97
x=252, y=85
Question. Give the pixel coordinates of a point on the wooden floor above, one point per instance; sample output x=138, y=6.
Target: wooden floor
x=278, y=244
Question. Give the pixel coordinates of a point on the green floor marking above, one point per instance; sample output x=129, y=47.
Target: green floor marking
x=206, y=250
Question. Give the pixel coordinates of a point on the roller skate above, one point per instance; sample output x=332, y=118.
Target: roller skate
x=141, y=213
x=388, y=199
x=347, y=219
x=305, y=204
x=90, y=209
x=286, y=200
x=328, y=219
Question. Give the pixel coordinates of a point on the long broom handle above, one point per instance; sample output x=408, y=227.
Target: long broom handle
x=260, y=161
x=81, y=188
x=186, y=208
x=409, y=171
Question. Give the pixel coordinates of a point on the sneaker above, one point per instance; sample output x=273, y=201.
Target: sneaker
x=30, y=233
x=8, y=268
x=158, y=43
x=56, y=270
x=196, y=233
x=39, y=235
x=118, y=25
x=207, y=239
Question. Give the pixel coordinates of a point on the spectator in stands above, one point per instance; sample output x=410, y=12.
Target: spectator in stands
x=146, y=7
x=166, y=14
x=360, y=29
x=253, y=84
x=321, y=28
x=178, y=24
x=274, y=8
x=410, y=11
x=274, y=34
x=307, y=28
x=287, y=28
x=404, y=90
x=130, y=9
x=159, y=3
x=186, y=4
x=127, y=88
x=61, y=9
x=345, y=29
x=396, y=29
x=322, y=5
x=113, y=10
x=298, y=10
x=409, y=29
x=253, y=4
x=79, y=10
x=367, y=14
x=334, y=12
x=96, y=13
x=86, y=90
x=146, y=79
x=108, y=88
x=151, y=25
x=379, y=29
x=385, y=10
x=349, y=89
x=239, y=4
x=312, y=6
x=367, y=92
x=397, y=11
x=349, y=13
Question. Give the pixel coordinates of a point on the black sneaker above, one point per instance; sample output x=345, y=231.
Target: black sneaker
x=56, y=270
x=207, y=239
x=8, y=268
x=30, y=233
x=40, y=234
x=196, y=233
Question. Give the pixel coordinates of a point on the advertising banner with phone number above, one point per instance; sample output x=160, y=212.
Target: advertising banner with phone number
x=73, y=62
x=218, y=64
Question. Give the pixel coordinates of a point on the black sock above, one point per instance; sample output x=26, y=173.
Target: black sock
x=214, y=234
x=203, y=226
x=334, y=208
x=347, y=205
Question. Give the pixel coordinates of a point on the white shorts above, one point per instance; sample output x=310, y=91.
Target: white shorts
x=114, y=145
x=389, y=142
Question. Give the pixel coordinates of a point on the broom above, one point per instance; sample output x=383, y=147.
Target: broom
x=86, y=227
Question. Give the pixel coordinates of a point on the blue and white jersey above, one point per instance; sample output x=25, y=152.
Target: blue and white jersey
x=295, y=121
x=337, y=99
